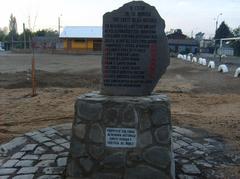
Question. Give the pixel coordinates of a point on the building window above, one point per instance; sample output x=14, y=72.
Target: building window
x=80, y=40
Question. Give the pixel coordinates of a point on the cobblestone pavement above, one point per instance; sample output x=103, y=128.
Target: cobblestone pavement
x=42, y=154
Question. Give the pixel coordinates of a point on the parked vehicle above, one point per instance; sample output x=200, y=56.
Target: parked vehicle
x=2, y=47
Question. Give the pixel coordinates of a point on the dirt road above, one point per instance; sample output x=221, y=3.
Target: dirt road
x=11, y=63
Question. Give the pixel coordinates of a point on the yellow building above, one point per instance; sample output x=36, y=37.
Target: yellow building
x=82, y=38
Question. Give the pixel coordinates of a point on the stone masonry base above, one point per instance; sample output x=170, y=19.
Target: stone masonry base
x=151, y=158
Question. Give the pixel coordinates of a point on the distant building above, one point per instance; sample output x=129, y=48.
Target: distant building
x=45, y=42
x=179, y=43
x=206, y=46
x=183, y=46
x=225, y=51
x=177, y=34
x=199, y=36
x=82, y=38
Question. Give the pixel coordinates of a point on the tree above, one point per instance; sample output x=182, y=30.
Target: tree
x=236, y=44
x=199, y=36
x=171, y=31
x=12, y=25
x=223, y=31
x=3, y=33
x=46, y=32
x=236, y=32
x=12, y=29
x=178, y=31
x=28, y=35
x=177, y=34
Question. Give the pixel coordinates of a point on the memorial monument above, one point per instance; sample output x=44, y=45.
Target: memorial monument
x=124, y=131
x=135, y=50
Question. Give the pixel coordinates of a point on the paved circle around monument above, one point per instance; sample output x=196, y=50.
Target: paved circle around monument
x=42, y=154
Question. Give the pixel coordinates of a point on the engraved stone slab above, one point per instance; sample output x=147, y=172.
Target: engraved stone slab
x=135, y=50
x=121, y=137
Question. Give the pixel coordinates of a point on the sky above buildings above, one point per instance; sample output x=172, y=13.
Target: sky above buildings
x=191, y=16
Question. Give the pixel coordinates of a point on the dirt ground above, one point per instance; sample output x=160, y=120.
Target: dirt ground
x=200, y=97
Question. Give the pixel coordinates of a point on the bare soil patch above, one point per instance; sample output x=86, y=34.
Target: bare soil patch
x=200, y=97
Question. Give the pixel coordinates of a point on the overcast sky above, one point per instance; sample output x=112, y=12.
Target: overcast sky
x=188, y=15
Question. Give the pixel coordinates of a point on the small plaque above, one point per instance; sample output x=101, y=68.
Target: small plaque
x=121, y=137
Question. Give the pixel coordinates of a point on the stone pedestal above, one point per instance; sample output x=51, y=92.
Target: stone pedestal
x=143, y=154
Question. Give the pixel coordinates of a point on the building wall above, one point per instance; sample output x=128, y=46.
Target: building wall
x=65, y=43
x=183, y=48
x=78, y=44
x=225, y=51
x=206, y=43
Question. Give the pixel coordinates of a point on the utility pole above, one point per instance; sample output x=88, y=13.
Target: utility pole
x=24, y=36
x=59, y=24
x=33, y=69
x=30, y=41
x=12, y=39
x=217, y=21
x=215, y=50
x=32, y=47
x=33, y=76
